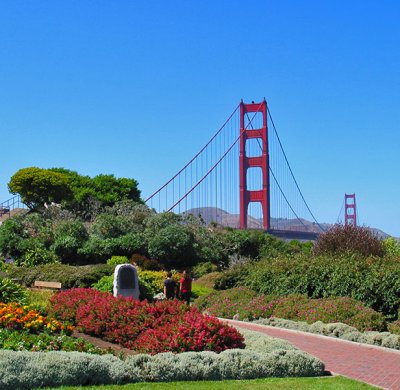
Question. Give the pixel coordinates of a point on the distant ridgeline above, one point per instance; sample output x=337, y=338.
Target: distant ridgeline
x=212, y=214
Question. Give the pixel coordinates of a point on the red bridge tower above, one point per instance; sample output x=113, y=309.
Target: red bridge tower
x=350, y=211
x=262, y=161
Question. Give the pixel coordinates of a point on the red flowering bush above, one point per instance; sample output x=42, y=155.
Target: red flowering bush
x=143, y=326
x=65, y=303
x=197, y=332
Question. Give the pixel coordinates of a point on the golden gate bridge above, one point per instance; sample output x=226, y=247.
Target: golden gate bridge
x=241, y=178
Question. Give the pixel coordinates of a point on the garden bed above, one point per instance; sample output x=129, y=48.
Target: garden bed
x=263, y=357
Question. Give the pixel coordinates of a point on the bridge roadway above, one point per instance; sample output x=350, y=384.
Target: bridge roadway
x=294, y=235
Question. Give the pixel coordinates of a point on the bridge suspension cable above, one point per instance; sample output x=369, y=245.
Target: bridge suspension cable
x=291, y=171
x=209, y=183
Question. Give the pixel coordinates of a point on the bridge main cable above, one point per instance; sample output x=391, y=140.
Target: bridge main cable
x=291, y=172
x=194, y=158
x=216, y=164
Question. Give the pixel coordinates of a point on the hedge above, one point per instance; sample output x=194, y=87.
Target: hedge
x=243, y=303
x=69, y=276
x=373, y=280
x=267, y=358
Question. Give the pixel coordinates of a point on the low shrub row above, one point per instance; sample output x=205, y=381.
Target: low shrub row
x=372, y=280
x=144, y=327
x=246, y=304
x=69, y=276
x=337, y=329
x=270, y=358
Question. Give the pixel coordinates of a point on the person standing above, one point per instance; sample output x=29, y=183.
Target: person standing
x=185, y=287
x=169, y=286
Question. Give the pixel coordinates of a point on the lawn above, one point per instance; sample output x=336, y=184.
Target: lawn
x=326, y=383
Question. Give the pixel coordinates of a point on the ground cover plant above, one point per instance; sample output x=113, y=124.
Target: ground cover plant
x=243, y=303
x=263, y=357
x=16, y=340
x=144, y=327
x=337, y=329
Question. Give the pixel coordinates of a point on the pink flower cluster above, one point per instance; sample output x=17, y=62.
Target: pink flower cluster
x=292, y=307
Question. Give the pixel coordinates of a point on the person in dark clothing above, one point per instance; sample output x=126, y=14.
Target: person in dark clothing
x=169, y=287
x=185, y=287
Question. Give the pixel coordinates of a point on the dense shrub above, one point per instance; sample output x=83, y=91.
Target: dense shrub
x=69, y=237
x=69, y=276
x=392, y=247
x=208, y=280
x=145, y=263
x=245, y=304
x=265, y=357
x=349, y=239
x=256, y=244
x=150, y=283
x=212, y=243
x=226, y=303
x=394, y=327
x=163, y=326
x=37, y=255
x=170, y=241
x=373, y=280
x=110, y=226
x=105, y=284
x=98, y=250
x=39, y=299
x=11, y=292
x=115, y=260
x=203, y=269
x=153, y=279
x=198, y=290
x=24, y=232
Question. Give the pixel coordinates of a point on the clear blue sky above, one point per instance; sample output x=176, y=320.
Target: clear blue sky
x=135, y=88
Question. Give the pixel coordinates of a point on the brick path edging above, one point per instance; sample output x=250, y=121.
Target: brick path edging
x=377, y=366
x=317, y=335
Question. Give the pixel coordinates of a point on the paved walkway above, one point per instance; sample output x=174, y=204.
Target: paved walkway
x=374, y=365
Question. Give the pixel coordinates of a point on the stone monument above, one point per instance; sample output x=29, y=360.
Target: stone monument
x=126, y=282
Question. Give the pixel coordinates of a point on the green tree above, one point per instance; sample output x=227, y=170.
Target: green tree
x=170, y=241
x=92, y=195
x=39, y=186
x=69, y=237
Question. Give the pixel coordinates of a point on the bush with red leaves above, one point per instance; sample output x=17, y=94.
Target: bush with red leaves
x=349, y=239
x=143, y=326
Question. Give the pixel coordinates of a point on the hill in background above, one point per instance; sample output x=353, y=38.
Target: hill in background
x=222, y=217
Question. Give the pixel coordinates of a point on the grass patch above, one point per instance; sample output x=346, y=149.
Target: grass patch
x=326, y=383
